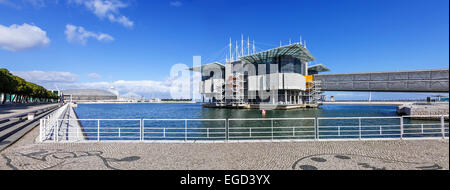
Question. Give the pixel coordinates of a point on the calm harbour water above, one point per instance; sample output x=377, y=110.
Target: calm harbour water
x=196, y=111
x=256, y=129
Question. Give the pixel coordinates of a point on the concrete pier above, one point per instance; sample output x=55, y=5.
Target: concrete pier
x=424, y=110
x=417, y=110
x=68, y=128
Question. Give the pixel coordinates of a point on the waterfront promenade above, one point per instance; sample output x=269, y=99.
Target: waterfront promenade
x=27, y=153
x=10, y=110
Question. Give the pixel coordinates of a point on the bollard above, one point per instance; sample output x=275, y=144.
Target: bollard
x=31, y=116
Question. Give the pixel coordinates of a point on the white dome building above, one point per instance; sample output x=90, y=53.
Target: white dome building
x=88, y=95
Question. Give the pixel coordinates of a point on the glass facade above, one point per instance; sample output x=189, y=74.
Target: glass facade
x=209, y=74
x=289, y=64
x=282, y=64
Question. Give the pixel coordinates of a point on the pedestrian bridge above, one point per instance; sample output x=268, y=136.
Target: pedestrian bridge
x=397, y=81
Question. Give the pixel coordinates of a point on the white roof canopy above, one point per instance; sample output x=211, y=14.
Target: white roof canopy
x=294, y=50
x=202, y=67
x=318, y=68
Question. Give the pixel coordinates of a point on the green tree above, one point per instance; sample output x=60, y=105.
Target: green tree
x=23, y=90
x=7, y=83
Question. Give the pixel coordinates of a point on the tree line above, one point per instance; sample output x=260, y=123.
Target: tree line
x=18, y=90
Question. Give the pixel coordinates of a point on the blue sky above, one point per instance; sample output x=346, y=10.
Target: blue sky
x=134, y=40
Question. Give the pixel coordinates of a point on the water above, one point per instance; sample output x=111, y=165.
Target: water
x=196, y=111
x=238, y=129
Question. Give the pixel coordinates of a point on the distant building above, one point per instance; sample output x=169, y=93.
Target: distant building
x=88, y=95
x=59, y=94
x=155, y=100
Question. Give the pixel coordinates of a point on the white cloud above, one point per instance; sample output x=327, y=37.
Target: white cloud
x=36, y=3
x=67, y=80
x=77, y=34
x=108, y=9
x=94, y=76
x=147, y=88
x=176, y=3
x=47, y=79
x=22, y=37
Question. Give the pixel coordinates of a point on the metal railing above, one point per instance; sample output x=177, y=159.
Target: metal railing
x=184, y=129
x=91, y=129
x=249, y=129
x=271, y=129
x=51, y=124
x=359, y=127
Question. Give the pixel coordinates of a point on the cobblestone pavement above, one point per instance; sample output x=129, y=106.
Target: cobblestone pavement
x=348, y=155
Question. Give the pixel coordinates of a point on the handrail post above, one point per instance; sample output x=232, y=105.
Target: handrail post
x=401, y=128
x=339, y=130
x=185, y=130
x=98, y=130
x=421, y=128
x=316, y=129
x=359, y=121
x=272, y=127
x=141, y=130
x=227, y=130
x=442, y=126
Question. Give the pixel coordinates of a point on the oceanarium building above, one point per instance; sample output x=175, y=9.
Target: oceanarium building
x=279, y=76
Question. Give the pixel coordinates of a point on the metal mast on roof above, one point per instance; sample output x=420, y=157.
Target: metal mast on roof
x=248, y=45
x=242, y=45
x=290, y=41
x=231, y=56
x=237, y=50
x=253, y=46
x=301, y=40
